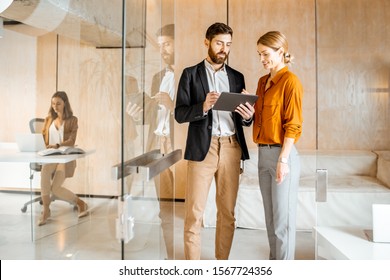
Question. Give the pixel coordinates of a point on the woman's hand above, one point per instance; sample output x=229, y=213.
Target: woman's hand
x=52, y=146
x=282, y=169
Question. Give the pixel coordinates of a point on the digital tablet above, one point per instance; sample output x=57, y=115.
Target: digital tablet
x=228, y=101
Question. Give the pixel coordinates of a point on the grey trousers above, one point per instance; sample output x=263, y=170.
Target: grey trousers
x=279, y=201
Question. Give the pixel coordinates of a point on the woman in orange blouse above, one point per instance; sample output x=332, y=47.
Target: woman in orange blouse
x=277, y=126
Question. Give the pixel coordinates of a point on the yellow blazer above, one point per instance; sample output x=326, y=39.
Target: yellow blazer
x=70, y=134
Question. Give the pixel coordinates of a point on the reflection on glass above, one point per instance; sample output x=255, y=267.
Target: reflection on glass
x=155, y=112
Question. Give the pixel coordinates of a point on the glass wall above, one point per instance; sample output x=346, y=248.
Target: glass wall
x=115, y=62
x=119, y=61
x=148, y=129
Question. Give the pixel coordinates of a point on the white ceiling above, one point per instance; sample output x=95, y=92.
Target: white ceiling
x=95, y=22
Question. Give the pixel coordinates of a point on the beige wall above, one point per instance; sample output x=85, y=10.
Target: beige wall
x=250, y=19
x=344, y=68
x=354, y=75
x=18, y=80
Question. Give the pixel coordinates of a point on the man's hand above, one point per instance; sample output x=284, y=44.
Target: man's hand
x=134, y=111
x=164, y=99
x=211, y=98
x=245, y=110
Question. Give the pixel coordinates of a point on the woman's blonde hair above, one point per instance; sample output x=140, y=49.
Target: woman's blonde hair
x=276, y=40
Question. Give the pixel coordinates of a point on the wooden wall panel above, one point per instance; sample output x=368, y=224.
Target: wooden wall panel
x=252, y=18
x=354, y=74
x=17, y=83
x=46, y=72
x=92, y=79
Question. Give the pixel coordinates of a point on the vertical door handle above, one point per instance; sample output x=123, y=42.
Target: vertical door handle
x=321, y=185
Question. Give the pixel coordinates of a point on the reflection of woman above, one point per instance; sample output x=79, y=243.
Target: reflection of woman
x=60, y=129
x=277, y=126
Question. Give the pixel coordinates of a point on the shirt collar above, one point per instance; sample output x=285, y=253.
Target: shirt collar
x=279, y=75
x=169, y=68
x=210, y=67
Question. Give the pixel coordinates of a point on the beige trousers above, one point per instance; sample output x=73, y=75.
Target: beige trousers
x=164, y=184
x=222, y=163
x=52, y=178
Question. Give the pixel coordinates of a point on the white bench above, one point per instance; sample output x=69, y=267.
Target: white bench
x=356, y=180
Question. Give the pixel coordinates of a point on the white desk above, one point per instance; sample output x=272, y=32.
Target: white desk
x=12, y=162
x=12, y=154
x=348, y=243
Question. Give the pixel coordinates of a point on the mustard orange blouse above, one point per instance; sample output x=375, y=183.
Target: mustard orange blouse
x=278, y=111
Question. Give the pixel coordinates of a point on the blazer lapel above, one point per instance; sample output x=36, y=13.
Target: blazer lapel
x=232, y=79
x=201, y=70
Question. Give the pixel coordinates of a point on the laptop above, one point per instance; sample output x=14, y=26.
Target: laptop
x=30, y=142
x=380, y=224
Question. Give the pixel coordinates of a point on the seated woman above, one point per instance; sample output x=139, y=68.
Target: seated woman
x=60, y=129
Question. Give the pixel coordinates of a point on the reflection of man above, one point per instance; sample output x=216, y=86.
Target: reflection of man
x=161, y=110
x=131, y=133
x=159, y=115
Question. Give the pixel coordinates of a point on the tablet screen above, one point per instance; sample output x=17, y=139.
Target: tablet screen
x=228, y=101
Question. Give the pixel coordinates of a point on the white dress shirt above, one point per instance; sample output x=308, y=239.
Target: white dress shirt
x=218, y=81
x=163, y=115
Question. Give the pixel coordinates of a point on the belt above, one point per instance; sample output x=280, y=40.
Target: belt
x=230, y=139
x=270, y=145
x=224, y=137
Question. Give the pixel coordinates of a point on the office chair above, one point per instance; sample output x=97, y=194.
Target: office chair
x=36, y=126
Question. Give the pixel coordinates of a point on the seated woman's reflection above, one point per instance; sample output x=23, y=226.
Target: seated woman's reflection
x=60, y=129
x=158, y=115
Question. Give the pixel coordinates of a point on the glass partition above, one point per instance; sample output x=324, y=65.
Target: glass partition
x=115, y=62
x=147, y=125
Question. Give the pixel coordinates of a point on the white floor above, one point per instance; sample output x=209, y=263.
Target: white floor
x=94, y=237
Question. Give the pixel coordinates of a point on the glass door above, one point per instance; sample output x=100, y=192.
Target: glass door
x=145, y=223
x=115, y=61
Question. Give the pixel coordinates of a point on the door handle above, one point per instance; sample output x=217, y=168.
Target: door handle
x=321, y=185
x=151, y=163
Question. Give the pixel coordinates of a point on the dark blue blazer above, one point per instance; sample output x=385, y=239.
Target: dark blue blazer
x=192, y=90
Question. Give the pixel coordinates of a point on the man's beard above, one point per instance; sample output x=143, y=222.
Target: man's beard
x=214, y=57
x=169, y=59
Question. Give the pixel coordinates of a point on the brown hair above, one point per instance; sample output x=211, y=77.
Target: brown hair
x=167, y=30
x=216, y=29
x=67, y=108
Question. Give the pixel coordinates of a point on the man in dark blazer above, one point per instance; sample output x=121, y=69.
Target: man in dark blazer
x=215, y=141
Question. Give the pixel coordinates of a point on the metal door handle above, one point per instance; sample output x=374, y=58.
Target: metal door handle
x=321, y=185
x=151, y=163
